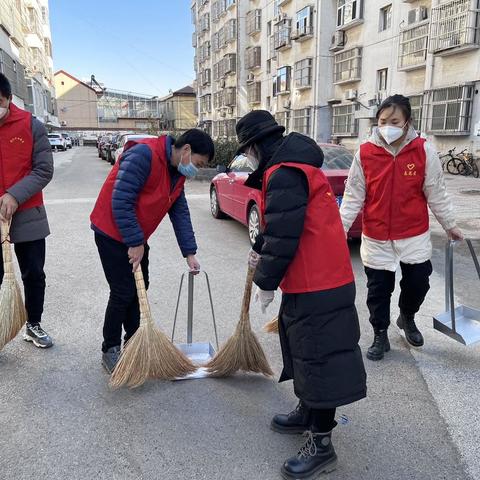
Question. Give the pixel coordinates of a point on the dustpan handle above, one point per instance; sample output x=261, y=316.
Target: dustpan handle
x=449, y=286
x=474, y=256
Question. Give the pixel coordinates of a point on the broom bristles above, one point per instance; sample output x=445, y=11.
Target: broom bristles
x=242, y=351
x=149, y=354
x=271, y=326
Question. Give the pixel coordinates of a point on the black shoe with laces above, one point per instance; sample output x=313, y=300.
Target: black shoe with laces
x=37, y=335
x=379, y=346
x=315, y=457
x=296, y=421
x=412, y=333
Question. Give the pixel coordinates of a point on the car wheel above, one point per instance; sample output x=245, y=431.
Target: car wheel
x=214, y=205
x=253, y=223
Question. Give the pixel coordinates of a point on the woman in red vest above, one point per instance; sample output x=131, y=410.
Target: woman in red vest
x=394, y=178
x=303, y=251
x=144, y=185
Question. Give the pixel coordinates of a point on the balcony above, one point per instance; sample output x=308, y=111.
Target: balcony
x=253, y=58
x=282, y=39
x=254, y=93
x=303, y=33
x=348, y=65
x=413, y=43
x=455, y=27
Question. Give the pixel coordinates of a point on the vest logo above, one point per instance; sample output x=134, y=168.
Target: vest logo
x=17, y=139
x=410, y=172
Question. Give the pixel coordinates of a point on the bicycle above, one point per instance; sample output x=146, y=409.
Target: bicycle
x=469, y=165
x=453, y=164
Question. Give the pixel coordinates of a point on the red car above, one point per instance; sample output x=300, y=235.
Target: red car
x=229, y=196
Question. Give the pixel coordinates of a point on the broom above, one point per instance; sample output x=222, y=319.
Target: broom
x=12, y=309
x=271, y=326
x=149, y=353
x=242, y=350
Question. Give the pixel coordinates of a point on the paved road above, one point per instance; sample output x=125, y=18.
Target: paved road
x=59, y=419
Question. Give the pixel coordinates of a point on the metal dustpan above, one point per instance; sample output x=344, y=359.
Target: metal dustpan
x=198, y=353
x=460, y=323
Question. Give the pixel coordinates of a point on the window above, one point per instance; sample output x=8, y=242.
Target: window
x=303, y=73
x=450, y=110
x=230, y=30
x=205, y=22
x=44, y=15
x=269, y=29
x=194, y=39
x=229, y=3
x=206, y=104
x=304, y=22
x=385, y=18
x=455, y=23
x=416, y=101
x=218, y=99
x=283, y=118
x=382, y=77
x=253, y=58
x=269, y=66
x=283, y=80
x=348, y=66
x=207, y=127
x=269, y=102
x=254, y=92
x=349, y=12
x=412, y=50
x=240, y=164
x=282, y=35
x=230, y=97
x=302, y=120
x=206, y=77
x=344, y=123
x=254, y=21
x=194, y=15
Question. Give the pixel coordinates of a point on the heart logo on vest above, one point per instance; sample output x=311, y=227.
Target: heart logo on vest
x=411, y=166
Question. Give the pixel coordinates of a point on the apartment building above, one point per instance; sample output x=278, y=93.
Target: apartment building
x=322, y=67
x=26, y=56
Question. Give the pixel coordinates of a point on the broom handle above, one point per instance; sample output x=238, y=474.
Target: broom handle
x=142, y=296
x=6, y=249
x=247, y=295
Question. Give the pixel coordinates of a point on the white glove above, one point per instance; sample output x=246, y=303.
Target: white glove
x=253, y=258
x=265, y=297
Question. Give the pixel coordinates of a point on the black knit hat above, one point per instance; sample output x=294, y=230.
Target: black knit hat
x=254, y=126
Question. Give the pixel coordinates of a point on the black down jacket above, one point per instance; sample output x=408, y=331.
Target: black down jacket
x=319, y=331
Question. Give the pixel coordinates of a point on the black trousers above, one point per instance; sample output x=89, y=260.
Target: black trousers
x=122, y=308
x=381, y=283
x=323, y=420
x=31, y=260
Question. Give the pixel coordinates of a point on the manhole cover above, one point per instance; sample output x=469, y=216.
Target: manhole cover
x=470, y=192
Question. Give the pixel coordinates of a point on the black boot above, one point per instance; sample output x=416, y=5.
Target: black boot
x=315, y=457
x=412, y=334
x=296, y=421
x=379, y=346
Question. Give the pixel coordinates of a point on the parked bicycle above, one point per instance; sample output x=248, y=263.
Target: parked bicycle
x=446, y=158
x=469, y=164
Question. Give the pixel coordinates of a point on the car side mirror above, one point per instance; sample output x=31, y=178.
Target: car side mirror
x=221, y=169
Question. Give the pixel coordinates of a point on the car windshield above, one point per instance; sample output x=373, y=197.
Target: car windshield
x=64, y=135
x=336, y=158
x=52, y=135
x=240, y=164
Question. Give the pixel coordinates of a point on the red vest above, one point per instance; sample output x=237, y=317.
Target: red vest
x=154, y=200
x=16, y=149
x=322, y=260
x=395, y=205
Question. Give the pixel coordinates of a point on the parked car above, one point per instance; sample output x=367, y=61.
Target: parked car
x=123, y=139
x=102, y=141
x=229, y=196
x=57, y=142
x=67, y=138
x=89, y=139
x=109, y=148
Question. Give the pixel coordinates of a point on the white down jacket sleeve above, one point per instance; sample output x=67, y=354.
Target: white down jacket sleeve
x=435, y=190
x=354, y=196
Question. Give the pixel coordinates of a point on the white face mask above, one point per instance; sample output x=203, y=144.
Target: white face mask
x=3, y=112
x=391, y=134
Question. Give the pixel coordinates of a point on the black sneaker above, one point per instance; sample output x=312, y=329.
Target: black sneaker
x=297, y=421
x=36, y=334
x=110, y=358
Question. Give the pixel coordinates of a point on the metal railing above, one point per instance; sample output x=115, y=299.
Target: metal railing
x=413, y=44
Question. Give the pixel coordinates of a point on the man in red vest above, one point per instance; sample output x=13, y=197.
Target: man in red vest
x=26, y=168
x=303, y=251
x=395, y=177
x=144, y=185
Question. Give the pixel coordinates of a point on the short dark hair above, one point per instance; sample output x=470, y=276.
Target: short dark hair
x=396, y=101
x=200, y=142
x=5, y=87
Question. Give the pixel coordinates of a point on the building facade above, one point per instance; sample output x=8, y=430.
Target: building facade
x=26, y=56
x=178, y=110
x=322, y=67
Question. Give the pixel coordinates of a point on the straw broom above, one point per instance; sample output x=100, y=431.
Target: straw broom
x=243, y=350
x=271, y=326
x=12, y=309
x=149, y=353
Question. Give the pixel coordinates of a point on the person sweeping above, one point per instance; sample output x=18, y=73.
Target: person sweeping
x=26, y=168
x=303, y=250
x=395, y=177
x=145, y=185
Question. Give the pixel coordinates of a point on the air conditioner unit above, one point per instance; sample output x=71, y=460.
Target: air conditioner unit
x=287, y=104
x=417, y=15
x=338, y=41
x=350, y=94
x=222, y=83
x=250, y=77
x=230, y=110
x=223, y=113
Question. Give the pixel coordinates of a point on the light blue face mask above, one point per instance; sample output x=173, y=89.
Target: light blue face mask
x=189, y=170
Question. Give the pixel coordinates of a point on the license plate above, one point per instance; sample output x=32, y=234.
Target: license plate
x=339, y=201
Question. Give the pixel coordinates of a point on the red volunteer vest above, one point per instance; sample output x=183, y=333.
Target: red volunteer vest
x=154, y=200
x=395, y=205
x=16, y=149
x=322, y=260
